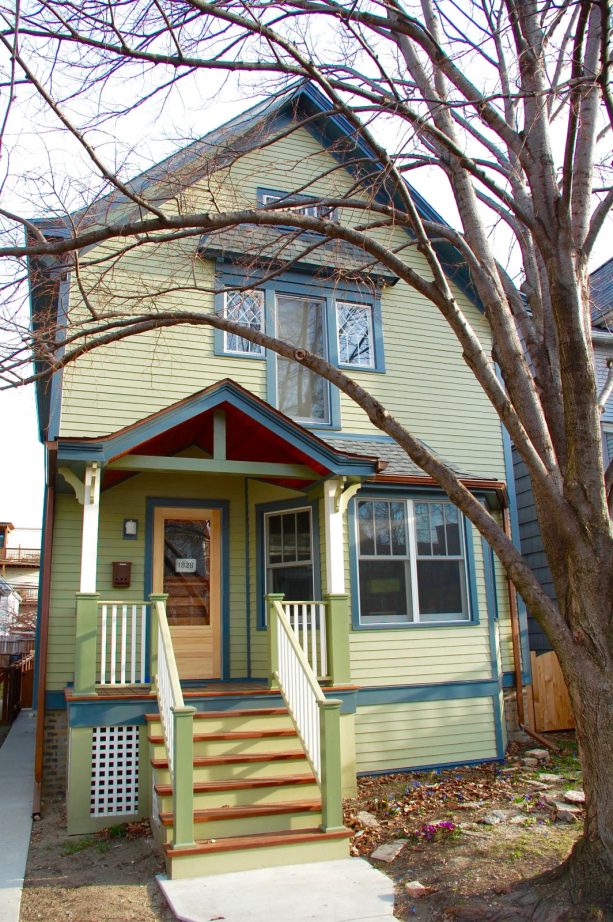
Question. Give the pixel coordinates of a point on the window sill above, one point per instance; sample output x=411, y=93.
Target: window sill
x=414, y=625
x=360, y=369
x=240, y=355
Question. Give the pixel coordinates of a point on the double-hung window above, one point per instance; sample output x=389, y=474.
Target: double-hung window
x=411, y=562
x=302, y=394
x=289, y=554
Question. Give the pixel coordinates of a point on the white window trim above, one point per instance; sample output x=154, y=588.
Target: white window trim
x=371, y=333
x=259, y=350
x=414, y=615
x=298, y=563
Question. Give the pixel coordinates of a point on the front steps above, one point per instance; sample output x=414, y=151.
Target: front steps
x=256, y=800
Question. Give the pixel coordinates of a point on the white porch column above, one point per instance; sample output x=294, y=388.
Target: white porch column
x=91, y=510
x=335, y=539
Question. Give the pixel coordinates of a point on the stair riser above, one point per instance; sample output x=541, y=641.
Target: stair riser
x=213, y=748
x=248, y=825
x=242, y=770
x=247, y=797
x=228, y=724
x=183, y=866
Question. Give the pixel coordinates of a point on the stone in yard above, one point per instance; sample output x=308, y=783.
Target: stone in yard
x=471, y=805
x=541, y=755
x=566, y=814
x=574, y=797
x=497, y=816
x=537, y=785
x=389, y=850
x=530, y=763
x=519, y=820
x=554, y=779
x=415, y=889
x=367, y=820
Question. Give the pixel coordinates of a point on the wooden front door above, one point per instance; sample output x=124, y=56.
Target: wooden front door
x=187, y=566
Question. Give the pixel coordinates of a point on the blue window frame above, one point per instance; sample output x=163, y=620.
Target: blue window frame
x=340, y=321
x=287, y=552
x=412, y=562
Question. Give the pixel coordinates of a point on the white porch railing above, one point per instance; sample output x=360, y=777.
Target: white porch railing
x=316, y=718
x=308, y=621
x=299, y=687
x=122, y=634
x=177, y=724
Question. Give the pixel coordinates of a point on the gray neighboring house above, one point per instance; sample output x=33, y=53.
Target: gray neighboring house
x=601, y=294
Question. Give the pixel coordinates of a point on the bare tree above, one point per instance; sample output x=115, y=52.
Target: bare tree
x=509, y=102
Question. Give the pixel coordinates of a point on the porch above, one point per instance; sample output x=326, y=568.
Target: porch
x=256, y=765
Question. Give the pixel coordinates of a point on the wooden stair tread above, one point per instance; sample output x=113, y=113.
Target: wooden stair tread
x=202, y=787
x=258, y=840
x=246, y=811
x=243, y=712
x=233, y=735
x=206, y=761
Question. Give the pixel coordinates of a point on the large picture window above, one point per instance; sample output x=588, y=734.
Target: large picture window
x=289, y=554
x=411, y=562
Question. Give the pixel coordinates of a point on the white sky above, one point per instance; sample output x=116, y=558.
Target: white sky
x=21, y=455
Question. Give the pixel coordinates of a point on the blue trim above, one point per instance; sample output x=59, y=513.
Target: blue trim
x=285, y=505
x=57, y=379
x=411, y=492
x=508, y=680
x=248, y=572
x=104, y=450
x=152, y=503
x=39, y=602
x=434, y=767
x=524, y=639
x=435, y=691
x=55, y=701
x=492, y=627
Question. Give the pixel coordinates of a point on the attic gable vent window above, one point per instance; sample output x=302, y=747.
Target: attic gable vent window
x=299, y=204
x=246, y=308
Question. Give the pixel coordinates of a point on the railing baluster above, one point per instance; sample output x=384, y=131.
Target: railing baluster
x=143, y=643
x=133, y=648
x=323, y=648
x=124, y=633
x=113, y=643
x=103, y=630
x=313, y=629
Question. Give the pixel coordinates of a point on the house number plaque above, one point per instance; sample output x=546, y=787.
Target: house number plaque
x=185, y=565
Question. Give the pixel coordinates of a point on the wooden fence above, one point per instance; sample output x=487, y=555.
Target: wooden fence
x=548, y=701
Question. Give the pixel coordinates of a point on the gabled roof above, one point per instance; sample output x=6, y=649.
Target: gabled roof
x=255, y=431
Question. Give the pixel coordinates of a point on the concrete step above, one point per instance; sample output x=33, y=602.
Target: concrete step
x=243, y=853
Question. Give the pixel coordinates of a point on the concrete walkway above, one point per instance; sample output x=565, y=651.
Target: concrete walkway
x=16, y=788
x=347, y=890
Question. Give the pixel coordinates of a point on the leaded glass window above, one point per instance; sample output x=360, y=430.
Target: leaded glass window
x=355, y=334
x=246, y=308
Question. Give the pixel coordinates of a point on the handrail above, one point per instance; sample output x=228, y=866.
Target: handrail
x=300, y=689
x=177, y=722
x=315, y=717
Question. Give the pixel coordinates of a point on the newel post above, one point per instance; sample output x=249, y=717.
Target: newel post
x=154, y=598
x=183, y=782
x=331, y=787
x=86, y=642
x=273, y=646
x=337, y=638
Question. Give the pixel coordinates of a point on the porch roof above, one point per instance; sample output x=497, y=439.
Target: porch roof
x=235, y=433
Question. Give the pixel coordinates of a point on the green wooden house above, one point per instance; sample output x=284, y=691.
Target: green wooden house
x=249, y=595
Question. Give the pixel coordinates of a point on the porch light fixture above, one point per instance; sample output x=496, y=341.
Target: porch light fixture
x=130, y=529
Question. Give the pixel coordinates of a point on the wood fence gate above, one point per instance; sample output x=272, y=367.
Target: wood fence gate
x=548, y=700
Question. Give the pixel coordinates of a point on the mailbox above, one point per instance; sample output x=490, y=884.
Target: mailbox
x=122, y=574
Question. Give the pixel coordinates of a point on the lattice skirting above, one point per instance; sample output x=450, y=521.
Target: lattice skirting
x=114, y=775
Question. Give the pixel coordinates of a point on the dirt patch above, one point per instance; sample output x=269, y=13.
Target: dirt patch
x=107, y=877
x=471, y=835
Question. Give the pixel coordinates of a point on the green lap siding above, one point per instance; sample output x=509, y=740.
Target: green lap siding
x=396, y=736
x=426, y=384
